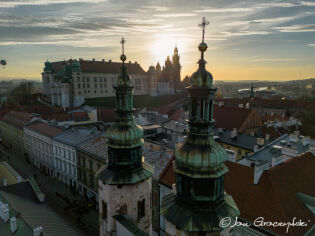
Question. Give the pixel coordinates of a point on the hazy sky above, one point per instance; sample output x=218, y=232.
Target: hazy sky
x=256, y=40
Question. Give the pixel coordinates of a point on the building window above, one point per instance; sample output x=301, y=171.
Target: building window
x=104, y=210
x=95, y=85
x=87, y=79
x=88, y=86
x=91, y=165
x=141, y=209
x=95, y=79
x=79, y=86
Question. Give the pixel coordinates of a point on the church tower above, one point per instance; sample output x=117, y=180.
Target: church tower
x=176, y=69
x=125, y=186
x=199, y=202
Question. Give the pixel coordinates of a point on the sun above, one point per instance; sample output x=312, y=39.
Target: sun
x=164, y=46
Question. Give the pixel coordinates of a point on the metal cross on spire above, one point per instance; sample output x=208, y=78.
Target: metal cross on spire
x=203, y=25
x=122, y=45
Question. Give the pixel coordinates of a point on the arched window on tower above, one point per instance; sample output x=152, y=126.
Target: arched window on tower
x=141, y=209
x=104, y=210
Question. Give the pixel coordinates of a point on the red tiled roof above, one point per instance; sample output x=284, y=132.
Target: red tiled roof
x=169, y=108
x=17, y=119
x=274, y=197
x=229, y=117
x=106, y=114
x=44, y=129
x=80, y=116
x=167, y=176
x=176, y=114
x=101, y=67
x=58, y=116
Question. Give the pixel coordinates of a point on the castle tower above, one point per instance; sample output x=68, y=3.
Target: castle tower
x=125, y=186
x=251, y=93
x=199, y=202
x=176, y=69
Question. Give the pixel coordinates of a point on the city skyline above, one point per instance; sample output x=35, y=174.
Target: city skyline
x=247, y=41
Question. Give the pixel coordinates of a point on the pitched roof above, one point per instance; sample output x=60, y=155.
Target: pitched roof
x=157, y=156
x=106, y=114
x=274, y=197
x=100, y=67
x=17, y=119
x=95, y=145
x=80, y=116
x=242, y=140
x=223, y=114
x=44, y=129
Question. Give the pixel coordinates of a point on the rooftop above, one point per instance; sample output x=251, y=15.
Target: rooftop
x=284, y=145
x=274, y=197
x=157, y=156
x=73, y=137
x=175, y=126
x=223, y=114
x=242, y=140
x=17, y=119
x=44, y=129
x=95, y=145
x=100, y=67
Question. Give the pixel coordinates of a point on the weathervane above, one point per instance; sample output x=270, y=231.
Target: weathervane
x=203, y=25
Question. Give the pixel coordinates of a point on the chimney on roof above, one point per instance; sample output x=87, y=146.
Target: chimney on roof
x=109, y=61
x=129, y=62
x=267, y=137
x=234, y=133
x=306, y=141
x=174, y=188
x=220, y=130
x=4, y=212
x=38, y=231
x=13, y=224
x=136, y=62
x=240, y=105
x=247, y=105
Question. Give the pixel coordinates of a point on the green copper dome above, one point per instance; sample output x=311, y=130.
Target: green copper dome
x=201, y=78
x=200, y=158
x=75, y=66
x=48, y=66
x=128, y=136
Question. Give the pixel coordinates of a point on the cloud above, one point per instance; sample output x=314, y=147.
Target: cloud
x=223, y=10
x=296, y=28
x=154, y=8
x=304, y=3
x=14, y=3
x=173, y=15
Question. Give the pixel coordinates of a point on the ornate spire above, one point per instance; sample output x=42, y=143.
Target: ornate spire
x=199, y=163
x=124, y=137
x=202, y=77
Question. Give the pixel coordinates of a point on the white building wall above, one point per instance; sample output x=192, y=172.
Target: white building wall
x=65, y=163
x=39, y=148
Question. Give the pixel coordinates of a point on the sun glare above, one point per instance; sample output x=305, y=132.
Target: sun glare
x=164, y=46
